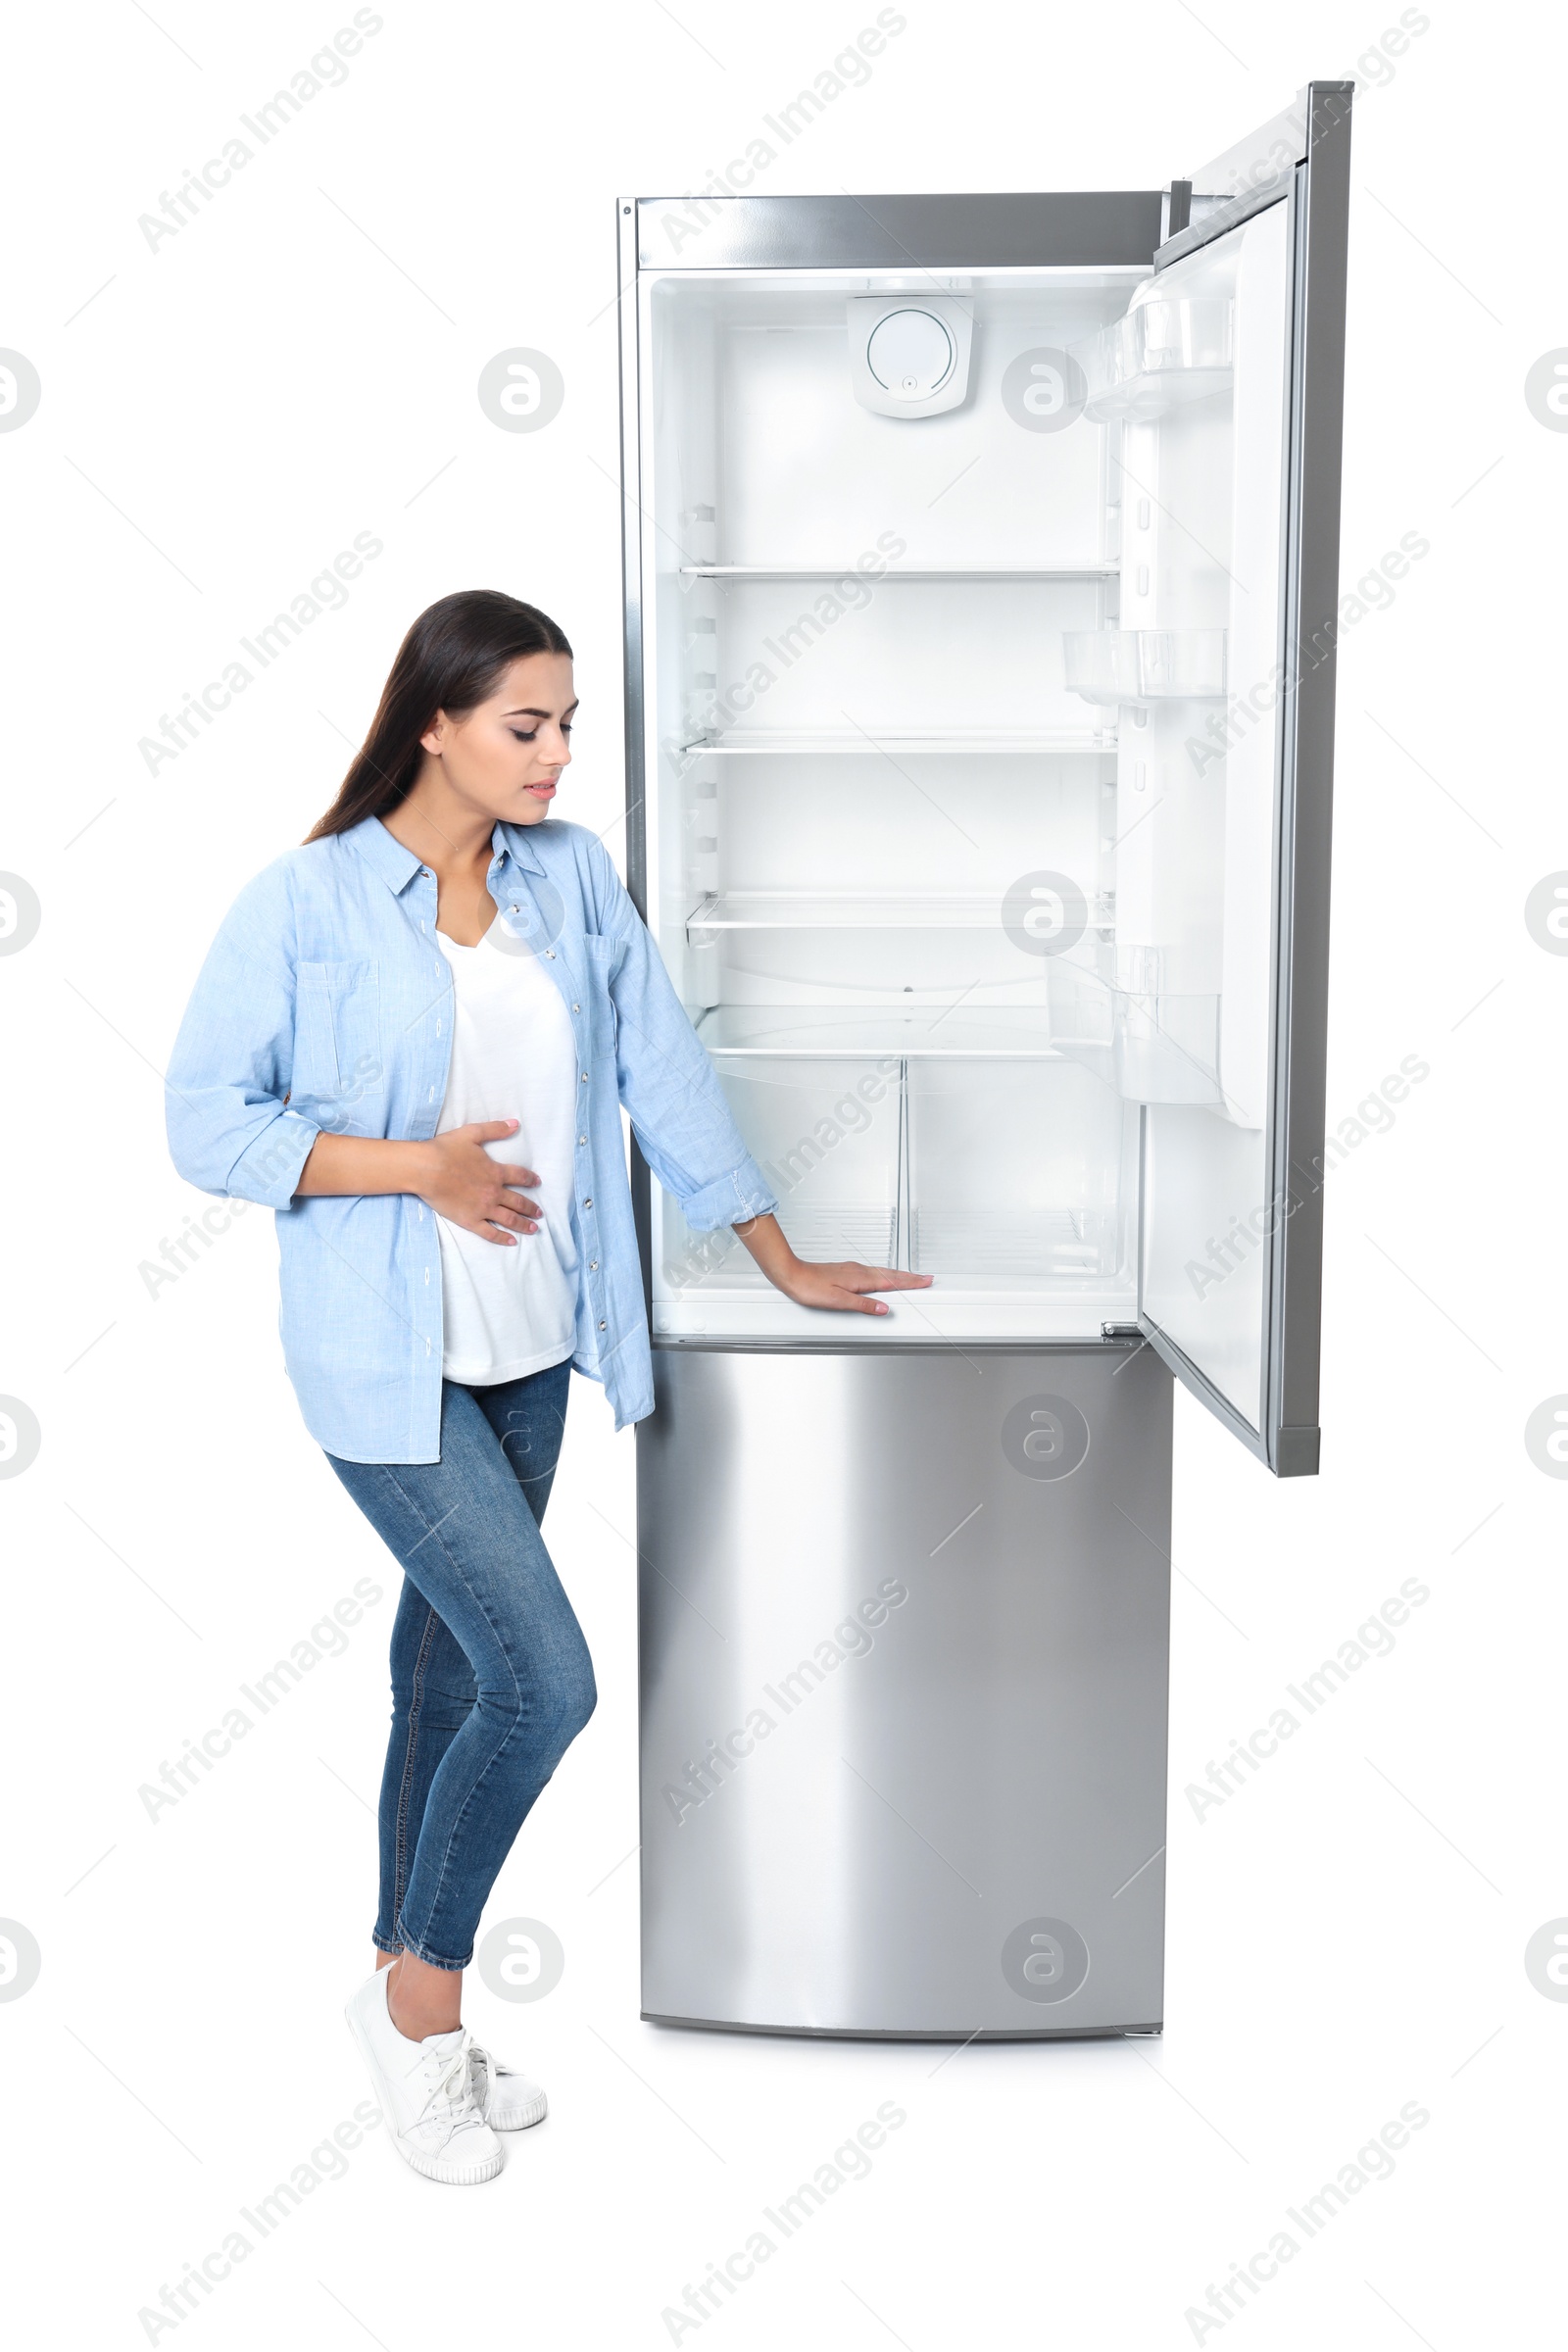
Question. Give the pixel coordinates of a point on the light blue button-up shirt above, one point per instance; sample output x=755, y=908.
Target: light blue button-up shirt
x=325, y=1003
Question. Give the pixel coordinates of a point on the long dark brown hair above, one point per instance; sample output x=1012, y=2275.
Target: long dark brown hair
x=453, y=655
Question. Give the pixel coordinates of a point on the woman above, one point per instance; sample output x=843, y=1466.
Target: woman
x=412, y=1039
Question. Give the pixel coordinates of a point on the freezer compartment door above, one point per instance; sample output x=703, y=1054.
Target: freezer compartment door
x=1230, y=401
x=903, y=1645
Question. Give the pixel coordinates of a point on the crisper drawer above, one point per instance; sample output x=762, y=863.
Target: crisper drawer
x=826, y=1135
x=1018, y=1173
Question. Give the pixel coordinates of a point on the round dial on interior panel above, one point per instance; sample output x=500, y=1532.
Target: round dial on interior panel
x=911, y=354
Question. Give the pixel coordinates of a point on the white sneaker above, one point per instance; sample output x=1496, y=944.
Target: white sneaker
x=426, y=2090
x=507, y=2100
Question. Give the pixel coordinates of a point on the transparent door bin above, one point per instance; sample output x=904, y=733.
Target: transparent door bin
x=826, y=1135
x=1148, y=1043
x=1145, y=665
x=1160, y=356
x=1015, y=1175
x=1168, y=1049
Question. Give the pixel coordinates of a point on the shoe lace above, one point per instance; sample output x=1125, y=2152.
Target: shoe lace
x=449, y=2083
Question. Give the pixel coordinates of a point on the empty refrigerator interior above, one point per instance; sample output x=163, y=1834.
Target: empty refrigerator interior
x=940, y=585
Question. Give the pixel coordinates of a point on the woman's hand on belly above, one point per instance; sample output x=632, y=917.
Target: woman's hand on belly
x=462, y=1183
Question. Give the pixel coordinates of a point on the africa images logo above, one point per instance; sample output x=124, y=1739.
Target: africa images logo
x=1045, y=1436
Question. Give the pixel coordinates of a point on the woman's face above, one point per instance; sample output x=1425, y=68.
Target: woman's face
x=504, y=755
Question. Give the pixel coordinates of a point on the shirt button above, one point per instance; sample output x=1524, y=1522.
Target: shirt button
x=593, y=1265
x=551, y=953
x=585, y=1077
x=588, y=1204
x=582, y=1139
x=601, y=1326
x=425, y=871
x=577, y=1008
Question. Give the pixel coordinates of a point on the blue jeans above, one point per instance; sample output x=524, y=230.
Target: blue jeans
x=491, y=1676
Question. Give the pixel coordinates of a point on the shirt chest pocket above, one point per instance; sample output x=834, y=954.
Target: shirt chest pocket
x=339, y=1070
x=602, y=954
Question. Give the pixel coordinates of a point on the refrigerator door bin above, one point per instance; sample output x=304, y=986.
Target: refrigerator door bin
x=1168, y=1049
x=1150, y=1044
x=1143, y=665
x=1164, y=352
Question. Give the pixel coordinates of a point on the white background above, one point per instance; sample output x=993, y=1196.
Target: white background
x=1347, y=1933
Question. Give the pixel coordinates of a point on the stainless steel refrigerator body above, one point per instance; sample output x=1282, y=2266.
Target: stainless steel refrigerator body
x=981, y=564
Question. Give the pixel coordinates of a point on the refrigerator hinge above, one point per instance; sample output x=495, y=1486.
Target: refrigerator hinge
x=1121, y=1331
x=1176, y=209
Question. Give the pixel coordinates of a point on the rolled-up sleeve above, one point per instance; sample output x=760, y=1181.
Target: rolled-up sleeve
x=229, y=1074
x=684, y=1127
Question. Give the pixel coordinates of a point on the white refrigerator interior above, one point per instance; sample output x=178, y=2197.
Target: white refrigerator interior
x=948, y=853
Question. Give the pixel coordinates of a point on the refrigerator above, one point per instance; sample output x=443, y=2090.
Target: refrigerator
x=980, y=589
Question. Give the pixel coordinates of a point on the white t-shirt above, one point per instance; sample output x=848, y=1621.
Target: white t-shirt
x=509, y=1311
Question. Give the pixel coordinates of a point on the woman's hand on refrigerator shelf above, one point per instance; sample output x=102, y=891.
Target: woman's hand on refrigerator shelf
x=810, y=1284
x=844, y=1286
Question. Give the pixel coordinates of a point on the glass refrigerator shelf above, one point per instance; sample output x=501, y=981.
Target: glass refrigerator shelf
x=855, y=910
x=879, y=1033
x=1094, y=570
x=745, y=741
